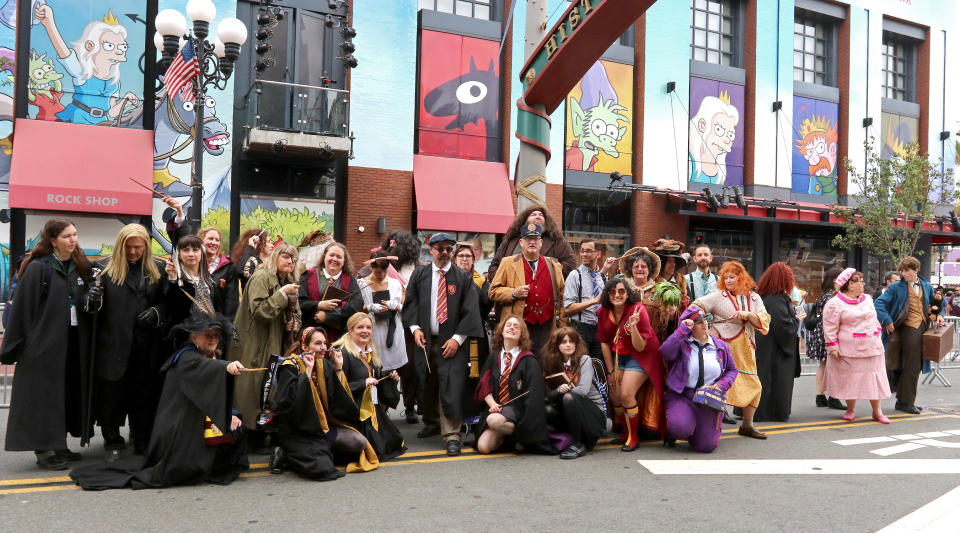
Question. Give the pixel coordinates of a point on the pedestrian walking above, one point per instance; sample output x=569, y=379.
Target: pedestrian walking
x=442, y=311
x=856, y=366
x=555, y=245
x=48, y=339
x=778, y=352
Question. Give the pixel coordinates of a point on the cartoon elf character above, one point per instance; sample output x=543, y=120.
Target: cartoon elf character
x=596, y=121
x=94, y=65
x=44, y=88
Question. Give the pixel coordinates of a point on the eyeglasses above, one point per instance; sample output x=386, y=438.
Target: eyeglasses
x=587, y=251
x=619, y=292
x=443, y=249
x=464, y=256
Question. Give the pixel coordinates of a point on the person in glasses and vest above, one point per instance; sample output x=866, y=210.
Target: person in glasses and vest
x=442, y=311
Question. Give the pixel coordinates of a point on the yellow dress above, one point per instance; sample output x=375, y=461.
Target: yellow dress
x=740, y=336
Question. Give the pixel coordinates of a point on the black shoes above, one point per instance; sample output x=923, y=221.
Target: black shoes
x=428, y=431
x=908, y=408
x=572, y=452
x=821, y=400
x=834, y=403
x=51, y=461
x=112, y=455
x=727, y=419
x=276, y=460
x=669, y=442
x=412, y=417
x=453, y=448
x=69, y=456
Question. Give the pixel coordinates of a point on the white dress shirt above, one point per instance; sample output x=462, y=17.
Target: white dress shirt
x=434, y=281
x=514, y=352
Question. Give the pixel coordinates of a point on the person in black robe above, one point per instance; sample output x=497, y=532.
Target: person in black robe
x=309, y=403
x=442, y=334
x=49, y=342
x=371, y=390
x=516, y=412
x=127, y=298
x=197, y=436
x=778, y=352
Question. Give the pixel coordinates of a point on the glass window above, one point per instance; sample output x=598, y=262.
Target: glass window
x=812, y=50
x=810, y=257
x=713, y=26
x=731, y=243
x=480, y=9
x=597, y=213
x=898, y=69
x=488, y=245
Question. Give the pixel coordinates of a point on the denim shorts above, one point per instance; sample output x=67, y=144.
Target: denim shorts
x=629, y=364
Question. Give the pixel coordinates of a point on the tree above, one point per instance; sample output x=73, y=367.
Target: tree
x=896, y=197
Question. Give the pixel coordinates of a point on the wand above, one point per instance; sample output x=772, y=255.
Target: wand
x=511, y=400
x=147, y=188
x=254, y=369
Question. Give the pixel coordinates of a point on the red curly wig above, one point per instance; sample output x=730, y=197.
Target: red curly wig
x=744, y=281
x=776, y=279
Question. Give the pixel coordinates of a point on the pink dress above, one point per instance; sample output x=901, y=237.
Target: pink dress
x=860, y=372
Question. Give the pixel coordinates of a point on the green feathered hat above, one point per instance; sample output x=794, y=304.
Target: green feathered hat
x=667, y=293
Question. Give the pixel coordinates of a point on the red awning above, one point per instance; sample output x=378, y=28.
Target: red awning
x=462, y=194
x=74, y=167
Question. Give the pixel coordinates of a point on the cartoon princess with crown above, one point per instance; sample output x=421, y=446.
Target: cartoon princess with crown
x=94, y=64
x=712, y=132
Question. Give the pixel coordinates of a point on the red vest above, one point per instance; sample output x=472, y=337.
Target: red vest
x=539, y=307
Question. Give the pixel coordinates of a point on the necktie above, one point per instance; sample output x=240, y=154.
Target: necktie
x=700, y=348
x=597, y=287
x=706, y=283
x=503, y=390
x=441, y=298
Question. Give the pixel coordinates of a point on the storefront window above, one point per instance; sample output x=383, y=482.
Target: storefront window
x=727, y=244
x=875, y=270
x=810, y=257
x=488, y=241
x=598, y=214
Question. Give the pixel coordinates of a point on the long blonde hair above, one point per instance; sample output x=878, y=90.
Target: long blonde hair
x=270, y=264
x=345, y=341
x=117, y=265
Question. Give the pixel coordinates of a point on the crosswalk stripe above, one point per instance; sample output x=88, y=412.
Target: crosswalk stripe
x=899, y=448
x=800, y=466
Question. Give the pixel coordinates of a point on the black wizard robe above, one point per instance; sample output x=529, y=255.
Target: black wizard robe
x=370, y=416
x=778, y=359
x=195, y=388
x=525, y=383
x=463, y=318
x=50, y=384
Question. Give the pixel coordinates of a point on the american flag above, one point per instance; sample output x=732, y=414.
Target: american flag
x=181, y=72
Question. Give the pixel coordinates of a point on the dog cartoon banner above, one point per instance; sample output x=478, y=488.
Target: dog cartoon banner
x=458, y=111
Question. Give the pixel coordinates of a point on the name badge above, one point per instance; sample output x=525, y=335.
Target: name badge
x=73, y=315
x=373, y=395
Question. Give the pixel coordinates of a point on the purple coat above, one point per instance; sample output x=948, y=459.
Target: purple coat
x=676, y=353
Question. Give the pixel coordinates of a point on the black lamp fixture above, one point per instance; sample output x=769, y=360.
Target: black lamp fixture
x=724, y=198
x=711, y=199
x=616, y=177
x=738, y=197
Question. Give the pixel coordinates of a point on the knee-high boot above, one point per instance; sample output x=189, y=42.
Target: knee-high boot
x=632, y=416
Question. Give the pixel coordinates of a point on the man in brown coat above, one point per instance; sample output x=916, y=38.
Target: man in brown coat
x=530, y=285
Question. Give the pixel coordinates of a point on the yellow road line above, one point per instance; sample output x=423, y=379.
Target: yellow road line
x=49, y=488
x=447, y=459
x=837, y=421
x=36, y=480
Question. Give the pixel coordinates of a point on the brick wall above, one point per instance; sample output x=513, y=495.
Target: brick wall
x=374, y=193
x=555, y=201
x=749, y=90
x=923, y=92
x=651, y=221
x=639, y=78
x=843, y=114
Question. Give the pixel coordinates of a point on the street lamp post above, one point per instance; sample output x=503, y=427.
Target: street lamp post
x=216, y=60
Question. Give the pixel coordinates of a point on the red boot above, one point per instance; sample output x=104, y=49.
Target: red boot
x=632, y=415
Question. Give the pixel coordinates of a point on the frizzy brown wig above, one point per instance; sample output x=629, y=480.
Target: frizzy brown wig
x=524, y=342
x=776, y=279
x=744, y=281
x=550, y=228
x=553, y=360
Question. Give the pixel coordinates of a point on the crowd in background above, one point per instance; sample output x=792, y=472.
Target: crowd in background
x=302, y=352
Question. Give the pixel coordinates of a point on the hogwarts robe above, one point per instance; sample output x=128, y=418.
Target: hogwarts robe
x=463, y=318
x=778, y=359
x=305, y=418
x=49, y=397
x=370, y=416
x=312, y=286
x=195, y=388
x=525, y=377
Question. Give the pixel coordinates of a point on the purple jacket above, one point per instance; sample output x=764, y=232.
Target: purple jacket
x=676, y=353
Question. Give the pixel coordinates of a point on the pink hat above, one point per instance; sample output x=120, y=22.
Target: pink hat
x=844, y=277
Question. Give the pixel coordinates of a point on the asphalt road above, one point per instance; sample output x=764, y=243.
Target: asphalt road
x=605, y=491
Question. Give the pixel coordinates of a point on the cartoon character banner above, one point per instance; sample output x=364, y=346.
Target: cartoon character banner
x=716, y=132
x=459, y=109
x=815, y=143
x=85, y=61
x=599, y=135
x=898, y=132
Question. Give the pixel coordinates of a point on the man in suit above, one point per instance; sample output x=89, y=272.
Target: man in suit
x=903, y=310
x=441, y=309
x=531, y=285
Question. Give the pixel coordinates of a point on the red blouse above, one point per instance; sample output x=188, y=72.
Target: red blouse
x=607, y=330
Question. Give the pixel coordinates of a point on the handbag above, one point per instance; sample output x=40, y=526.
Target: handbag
x=813, y=317
x=711, y=397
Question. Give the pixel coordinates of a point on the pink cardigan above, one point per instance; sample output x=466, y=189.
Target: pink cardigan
x=852, y=326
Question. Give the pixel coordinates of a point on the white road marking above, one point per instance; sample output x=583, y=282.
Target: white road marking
x=938, y=443
x=953, y=431
x=942, y=514
x=899, y=448
x=930, y=434
x=907, y=436
x=867, y=440
x=801, y=466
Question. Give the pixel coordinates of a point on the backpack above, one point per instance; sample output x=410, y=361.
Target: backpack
x=266, y=419
x=600, y=382
x=46, y=274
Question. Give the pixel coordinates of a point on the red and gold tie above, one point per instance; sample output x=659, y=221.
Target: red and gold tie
x=503, y=392
x=441, y=298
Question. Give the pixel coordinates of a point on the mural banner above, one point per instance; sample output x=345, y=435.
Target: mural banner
x=599, y=135
x=815, y=142
x=716, y=133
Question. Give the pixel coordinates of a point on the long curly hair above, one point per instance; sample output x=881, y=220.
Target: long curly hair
x=404, y=245
x=550, y=228
x=776, y=279
x=524, y=341
x=744, y=281
x=240, y=247
x=551, y=357
x=347, y=262
x=346, y=341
